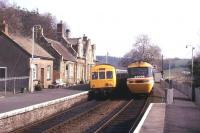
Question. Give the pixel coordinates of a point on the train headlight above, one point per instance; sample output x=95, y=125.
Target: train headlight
x=108, y=84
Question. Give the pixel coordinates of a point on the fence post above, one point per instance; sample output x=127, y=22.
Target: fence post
x=14, y=87
x=169, y=95
x=5, y=86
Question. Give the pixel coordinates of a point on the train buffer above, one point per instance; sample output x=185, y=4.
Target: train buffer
x=182, y=116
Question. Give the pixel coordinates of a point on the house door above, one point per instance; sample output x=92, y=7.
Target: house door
x=42, y=76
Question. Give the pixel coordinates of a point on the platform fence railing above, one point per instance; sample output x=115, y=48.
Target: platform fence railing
x=13, y=85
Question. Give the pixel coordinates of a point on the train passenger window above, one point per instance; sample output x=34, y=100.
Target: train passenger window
x=101, y=75
x=95, y=75
x=109, y=74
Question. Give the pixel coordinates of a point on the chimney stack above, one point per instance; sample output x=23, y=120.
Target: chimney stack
x=4, y=27
x=84, y=37
x=60, y=30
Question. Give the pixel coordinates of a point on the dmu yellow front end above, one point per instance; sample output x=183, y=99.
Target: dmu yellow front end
x=140, y=77
x=103, y=78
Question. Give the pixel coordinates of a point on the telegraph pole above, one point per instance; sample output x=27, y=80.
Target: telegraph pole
x=192, y=78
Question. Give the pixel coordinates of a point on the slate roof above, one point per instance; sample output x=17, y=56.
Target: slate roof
x=26, y=44
x=73, y=41
x=61, y=50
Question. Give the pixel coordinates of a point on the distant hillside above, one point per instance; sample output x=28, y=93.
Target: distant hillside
x=115, y=61
x=174, y=62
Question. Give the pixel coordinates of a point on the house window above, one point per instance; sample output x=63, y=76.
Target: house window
x=2, y=73
x=66, y=71
x=48, y=72
x=78, y=71
x=81, y=50
x=35, y=72
x=71, y=72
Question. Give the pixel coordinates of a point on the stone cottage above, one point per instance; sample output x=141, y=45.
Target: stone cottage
x=82, y=49
x=64, y=63
x=16, y=57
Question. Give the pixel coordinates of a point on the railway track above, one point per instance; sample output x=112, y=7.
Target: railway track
x=77, y=119
x=93, y=116
x=85, y=120
x=125, y=120
x=56, y=119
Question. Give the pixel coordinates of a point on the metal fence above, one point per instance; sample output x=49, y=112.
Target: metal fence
x=13, y=85
x=184, y=87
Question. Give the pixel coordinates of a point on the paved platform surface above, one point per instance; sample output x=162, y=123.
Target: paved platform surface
x=183, y=116
x=27, y=99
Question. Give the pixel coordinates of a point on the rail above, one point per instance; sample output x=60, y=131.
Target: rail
x=126, y=118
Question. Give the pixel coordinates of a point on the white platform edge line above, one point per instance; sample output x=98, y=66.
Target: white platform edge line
x=143, y=119
x=36, y=106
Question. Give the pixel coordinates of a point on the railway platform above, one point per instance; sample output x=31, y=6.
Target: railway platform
x=24, y=108
x=22, y=100
x=182, y=116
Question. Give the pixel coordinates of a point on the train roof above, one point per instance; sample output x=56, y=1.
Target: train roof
x=103, y=65
x=140, y=64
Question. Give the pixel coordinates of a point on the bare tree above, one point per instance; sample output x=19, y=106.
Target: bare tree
x=143, y=49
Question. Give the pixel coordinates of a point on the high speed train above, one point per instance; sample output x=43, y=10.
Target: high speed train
x=140, y=77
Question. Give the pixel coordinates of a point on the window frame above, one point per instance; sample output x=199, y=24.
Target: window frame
x=107, y=75
x=35, y=72
x=102, y=73
x=49, y=72
x=3, y=68
x=148, y=74
x=97, y=74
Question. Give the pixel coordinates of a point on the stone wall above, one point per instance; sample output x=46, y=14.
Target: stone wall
x=12, y=120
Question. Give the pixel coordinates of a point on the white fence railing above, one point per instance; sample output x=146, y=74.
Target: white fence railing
x=13, y=85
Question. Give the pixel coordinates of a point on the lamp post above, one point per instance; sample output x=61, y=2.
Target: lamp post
x=32, y=53
x=193, y=91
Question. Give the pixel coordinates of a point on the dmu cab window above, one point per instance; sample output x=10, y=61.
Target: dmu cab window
x=139, y=71
x=109, y=74
x=102, y=75
x=95, y=75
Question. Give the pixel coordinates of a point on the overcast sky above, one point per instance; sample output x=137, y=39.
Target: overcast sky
x=113, y=25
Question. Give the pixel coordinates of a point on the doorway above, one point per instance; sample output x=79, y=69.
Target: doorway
x=42, y=76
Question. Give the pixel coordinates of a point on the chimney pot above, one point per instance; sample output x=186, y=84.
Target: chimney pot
x=84, y=37
x=67, y=32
